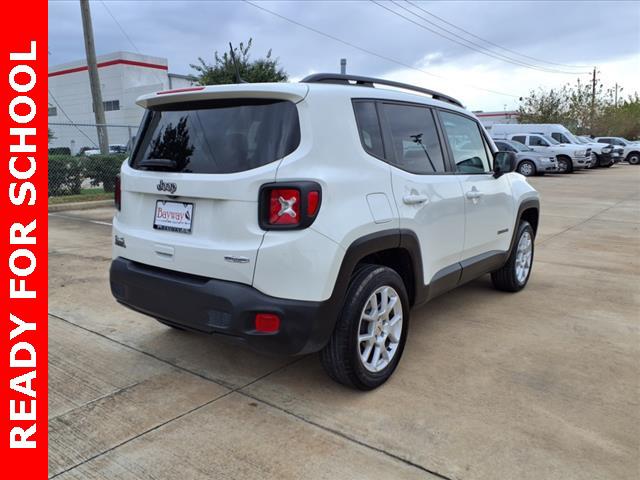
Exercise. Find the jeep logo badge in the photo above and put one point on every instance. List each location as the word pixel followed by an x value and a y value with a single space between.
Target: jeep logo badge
pixel 167 187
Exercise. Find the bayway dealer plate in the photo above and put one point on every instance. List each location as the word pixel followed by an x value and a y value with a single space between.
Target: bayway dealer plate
pixel 173 216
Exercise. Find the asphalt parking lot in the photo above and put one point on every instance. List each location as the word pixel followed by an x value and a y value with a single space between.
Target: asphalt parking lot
pixel 543 384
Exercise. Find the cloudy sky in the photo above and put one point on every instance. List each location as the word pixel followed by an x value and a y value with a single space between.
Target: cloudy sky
pixel 524 45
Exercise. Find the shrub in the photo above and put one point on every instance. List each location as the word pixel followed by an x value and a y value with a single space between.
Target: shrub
pixel 66 174
pixel 102 169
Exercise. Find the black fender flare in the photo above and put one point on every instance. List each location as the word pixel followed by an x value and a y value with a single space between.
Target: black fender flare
pixel 528 204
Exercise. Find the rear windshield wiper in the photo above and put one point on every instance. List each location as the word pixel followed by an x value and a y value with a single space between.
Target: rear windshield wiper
pixel 158 162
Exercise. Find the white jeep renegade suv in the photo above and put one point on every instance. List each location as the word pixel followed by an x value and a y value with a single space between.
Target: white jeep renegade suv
pixel 309 217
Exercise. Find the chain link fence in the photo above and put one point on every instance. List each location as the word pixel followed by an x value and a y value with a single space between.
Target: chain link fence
pixel 77 169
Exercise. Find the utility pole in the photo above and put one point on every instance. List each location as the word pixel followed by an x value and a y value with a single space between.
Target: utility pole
pixel 616 101
pixel 343 66
pixel 593 100
pixel 94 79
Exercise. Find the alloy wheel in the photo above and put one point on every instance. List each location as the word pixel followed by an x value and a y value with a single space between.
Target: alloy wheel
pixel 524 255
pixel 380 329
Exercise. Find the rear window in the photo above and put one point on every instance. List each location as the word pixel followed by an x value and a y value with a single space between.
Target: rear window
pixel 220 136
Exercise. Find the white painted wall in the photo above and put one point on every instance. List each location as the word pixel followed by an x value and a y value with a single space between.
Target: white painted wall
pixel 488 119
pixel 70 91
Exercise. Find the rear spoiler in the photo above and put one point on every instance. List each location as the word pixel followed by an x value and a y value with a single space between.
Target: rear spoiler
pixel 294 92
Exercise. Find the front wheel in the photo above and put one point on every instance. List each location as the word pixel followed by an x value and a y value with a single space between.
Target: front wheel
pixel 527 168
pixel 634 158
pixel 514 275
pixel 370 334
pixel 564 165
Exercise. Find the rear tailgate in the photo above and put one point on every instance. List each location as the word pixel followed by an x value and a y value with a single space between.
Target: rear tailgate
pixel 190 191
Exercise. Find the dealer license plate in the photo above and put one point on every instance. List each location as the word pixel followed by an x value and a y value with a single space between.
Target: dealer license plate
pixel 173 216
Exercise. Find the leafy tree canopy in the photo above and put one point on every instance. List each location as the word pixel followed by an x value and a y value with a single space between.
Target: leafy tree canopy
pixel 580 111
pixel 222 71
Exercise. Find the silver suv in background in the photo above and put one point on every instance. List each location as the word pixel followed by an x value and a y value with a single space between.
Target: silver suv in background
pixel 528 161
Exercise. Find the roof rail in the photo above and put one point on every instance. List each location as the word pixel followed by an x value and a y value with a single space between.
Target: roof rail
pixel 356 80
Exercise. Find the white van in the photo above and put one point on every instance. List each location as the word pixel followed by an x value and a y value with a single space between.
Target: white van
pixel 561 134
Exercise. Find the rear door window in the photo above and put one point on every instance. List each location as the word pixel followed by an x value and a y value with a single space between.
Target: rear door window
pixel 520 138
pixel 415 143
pixel 219 136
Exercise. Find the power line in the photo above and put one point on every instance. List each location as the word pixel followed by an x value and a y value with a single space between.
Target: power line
pixel 492 43
pixel 119 26
pixel 69 118
pixel 460 41
pixel 370 52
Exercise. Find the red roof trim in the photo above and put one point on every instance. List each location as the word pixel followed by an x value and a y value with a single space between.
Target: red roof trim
pixel 119 61
pixel 179 90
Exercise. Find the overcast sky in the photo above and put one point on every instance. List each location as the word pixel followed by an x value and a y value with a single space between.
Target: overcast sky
pixel 569 36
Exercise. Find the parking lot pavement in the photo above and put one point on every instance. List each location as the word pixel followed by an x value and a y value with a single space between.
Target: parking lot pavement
pixel 540 384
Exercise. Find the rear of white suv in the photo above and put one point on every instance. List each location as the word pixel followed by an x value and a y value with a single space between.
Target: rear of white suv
pixel 303 217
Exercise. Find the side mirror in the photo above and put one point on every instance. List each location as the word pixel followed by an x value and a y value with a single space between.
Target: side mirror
pixel 503 162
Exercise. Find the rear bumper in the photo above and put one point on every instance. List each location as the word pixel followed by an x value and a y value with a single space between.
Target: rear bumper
pixel 221 307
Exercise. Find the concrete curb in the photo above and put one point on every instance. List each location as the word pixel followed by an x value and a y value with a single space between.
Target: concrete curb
pixel 61 207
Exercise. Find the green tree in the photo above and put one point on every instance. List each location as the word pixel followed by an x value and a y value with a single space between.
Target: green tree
pixel 544 106
pixel 222 71
pixel 621 120
pixel 579 110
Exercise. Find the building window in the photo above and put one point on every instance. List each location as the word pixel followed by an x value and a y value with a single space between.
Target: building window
pixel 110 105
pixel 53 111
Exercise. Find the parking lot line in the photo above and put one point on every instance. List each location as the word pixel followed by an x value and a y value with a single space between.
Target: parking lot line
pixel 80 219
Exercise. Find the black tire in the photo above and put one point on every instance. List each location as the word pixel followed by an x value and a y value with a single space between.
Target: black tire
pixel 564 165
pixel 170 325
pixel 527 168
pixel 505 278
pixel 341 356
pixel 633 158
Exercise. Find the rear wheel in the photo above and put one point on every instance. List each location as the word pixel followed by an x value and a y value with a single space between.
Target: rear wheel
pixel 527 168
pixel 371 331
pixel 514 275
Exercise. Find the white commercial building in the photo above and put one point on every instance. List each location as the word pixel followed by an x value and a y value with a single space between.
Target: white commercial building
pixel 488 119
pixel 124 76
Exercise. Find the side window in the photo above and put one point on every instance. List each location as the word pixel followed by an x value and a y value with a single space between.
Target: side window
pixel 467 143
pixel 369 128
pixel 520 138
pixel 536 141
pixel 604 140
pixel 414 138
pixel 560 137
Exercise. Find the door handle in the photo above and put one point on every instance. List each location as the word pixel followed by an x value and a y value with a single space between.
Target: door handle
pixel 473 194
pixel 415 199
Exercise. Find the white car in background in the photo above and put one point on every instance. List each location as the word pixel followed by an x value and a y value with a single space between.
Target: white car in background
pixel 630 150
pixel 600 153
pixel 608 154
pixel 113 149
pixel 569 157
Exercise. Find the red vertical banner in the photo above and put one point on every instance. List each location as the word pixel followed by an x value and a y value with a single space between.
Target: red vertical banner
pixel 23 223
